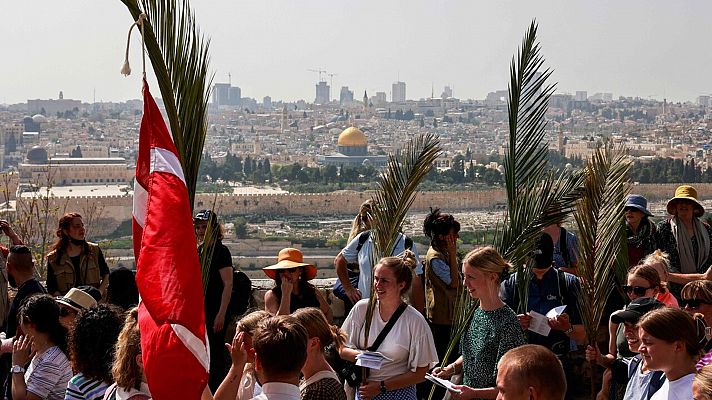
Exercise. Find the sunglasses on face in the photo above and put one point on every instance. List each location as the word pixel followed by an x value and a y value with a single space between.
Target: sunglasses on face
pixel 630 209
pixel 637 290
pixel 692 303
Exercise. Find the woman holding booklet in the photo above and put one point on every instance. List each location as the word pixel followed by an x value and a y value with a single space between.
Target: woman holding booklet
pixel 494 328
pixel 405 343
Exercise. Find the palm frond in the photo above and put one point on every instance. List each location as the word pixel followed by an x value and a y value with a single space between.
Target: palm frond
pixel 179 56
pixel 600 221
pixel 398 186
pixel 536 197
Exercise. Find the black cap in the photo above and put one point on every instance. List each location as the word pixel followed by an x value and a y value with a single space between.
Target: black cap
pixel 206 215
pixel 544 251
pixel 635 310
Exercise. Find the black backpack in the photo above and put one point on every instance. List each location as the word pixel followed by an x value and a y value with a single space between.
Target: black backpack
pixel 241 292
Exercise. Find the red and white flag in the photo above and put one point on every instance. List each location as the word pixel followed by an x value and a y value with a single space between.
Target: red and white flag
pixel 171 316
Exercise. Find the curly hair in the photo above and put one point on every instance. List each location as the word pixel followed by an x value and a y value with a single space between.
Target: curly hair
pixel 437 225
pixel 92 341
pixel 125 370
pixel 43 311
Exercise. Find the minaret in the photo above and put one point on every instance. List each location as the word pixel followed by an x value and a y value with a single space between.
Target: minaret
pixel 365 102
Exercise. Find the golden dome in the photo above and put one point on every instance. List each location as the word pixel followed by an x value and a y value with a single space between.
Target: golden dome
pixel 352 136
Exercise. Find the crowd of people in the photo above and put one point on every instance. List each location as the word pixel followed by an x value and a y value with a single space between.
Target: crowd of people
pixel 77 335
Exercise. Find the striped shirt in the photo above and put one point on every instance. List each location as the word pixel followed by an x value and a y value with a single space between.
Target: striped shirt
pixel 48 374
pixel 82 388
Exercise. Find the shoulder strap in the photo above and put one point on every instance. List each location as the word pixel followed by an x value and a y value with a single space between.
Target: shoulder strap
pixel 391 321
pixel 362 238
pixel 564 247
pixel 563 289
pixel 408 243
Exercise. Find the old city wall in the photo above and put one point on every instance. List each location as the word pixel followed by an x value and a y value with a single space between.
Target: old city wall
pixel 111 211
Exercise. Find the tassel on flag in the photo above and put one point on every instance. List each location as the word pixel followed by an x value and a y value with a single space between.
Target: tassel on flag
pixel 171 316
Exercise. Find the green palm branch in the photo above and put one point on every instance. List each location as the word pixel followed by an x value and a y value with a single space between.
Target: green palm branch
pixel 179 56
pixel 397 189
pixel 600 221
pixel 536 197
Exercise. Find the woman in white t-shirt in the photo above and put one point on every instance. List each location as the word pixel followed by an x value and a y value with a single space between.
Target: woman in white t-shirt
pixel 669 342
pixel 408 349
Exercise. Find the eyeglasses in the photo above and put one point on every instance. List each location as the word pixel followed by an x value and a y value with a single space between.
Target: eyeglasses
pixel 637 290
pixel 692 303
pixel 630 209
pixel 66 311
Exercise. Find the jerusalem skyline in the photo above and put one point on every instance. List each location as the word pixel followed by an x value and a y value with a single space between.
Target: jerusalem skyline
pixel 649 49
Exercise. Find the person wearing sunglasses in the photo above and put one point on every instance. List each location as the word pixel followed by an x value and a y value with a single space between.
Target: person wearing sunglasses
pixel 76 300
pixel 292 289
pixel 697 301
pixel 642 282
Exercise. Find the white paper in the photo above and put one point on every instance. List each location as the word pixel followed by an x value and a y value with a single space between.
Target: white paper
pixel 539 323
pixel 443 383
pixel 371 359
pixel 556 311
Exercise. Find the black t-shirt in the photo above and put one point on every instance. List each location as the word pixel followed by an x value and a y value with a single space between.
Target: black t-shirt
pixel 33 286
pixel 213 295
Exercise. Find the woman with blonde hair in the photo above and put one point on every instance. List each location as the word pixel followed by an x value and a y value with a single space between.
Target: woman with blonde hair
pixel 696 300
pixel 494 328
pixel 669 342
pixel 320 381
pixel 129 377
pixel 408 348
pixel 702 384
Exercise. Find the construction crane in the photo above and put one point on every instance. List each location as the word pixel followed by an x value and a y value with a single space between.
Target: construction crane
pixel 321 73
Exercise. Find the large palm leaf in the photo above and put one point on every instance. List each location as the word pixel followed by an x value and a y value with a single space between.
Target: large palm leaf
pixel 179 56
pixel 600 221
pixel 536 197
pixel 397 189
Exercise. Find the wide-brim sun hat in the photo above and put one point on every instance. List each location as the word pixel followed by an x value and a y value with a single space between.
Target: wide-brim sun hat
pixel 290 258
pixel 77 299
pixel 638 202
pixel 685 193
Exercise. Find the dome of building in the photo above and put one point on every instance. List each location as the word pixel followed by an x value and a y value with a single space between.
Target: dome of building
pixel 352 136
pixel 39 119
pixel 37 155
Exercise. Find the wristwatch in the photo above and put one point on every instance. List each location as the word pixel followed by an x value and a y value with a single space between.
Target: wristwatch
pixel 383 387
pixel 17 369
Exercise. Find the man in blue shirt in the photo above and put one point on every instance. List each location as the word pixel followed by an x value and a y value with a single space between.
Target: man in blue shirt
pixel 549 287
pixel 353 253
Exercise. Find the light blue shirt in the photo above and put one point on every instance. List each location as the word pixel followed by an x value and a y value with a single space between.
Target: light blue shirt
pixel 363 258
pixel 441 270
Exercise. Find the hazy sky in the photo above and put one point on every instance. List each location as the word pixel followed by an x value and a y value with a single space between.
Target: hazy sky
pixel 647 48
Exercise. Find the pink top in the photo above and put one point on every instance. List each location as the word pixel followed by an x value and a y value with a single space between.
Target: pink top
pixel 705 360
pixel 668 299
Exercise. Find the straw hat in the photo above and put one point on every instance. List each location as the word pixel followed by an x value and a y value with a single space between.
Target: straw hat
pixel 290 258
pixel 77 299
pixel 687 193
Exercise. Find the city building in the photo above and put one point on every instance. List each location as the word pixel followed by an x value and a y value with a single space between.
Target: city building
pixel 52 107
pixel 352 147
pixel 40 170
pixel 346 96
pixel 322 93
pixel 398 92
pixel 581 95
pixel 267 102
pixel 224 94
